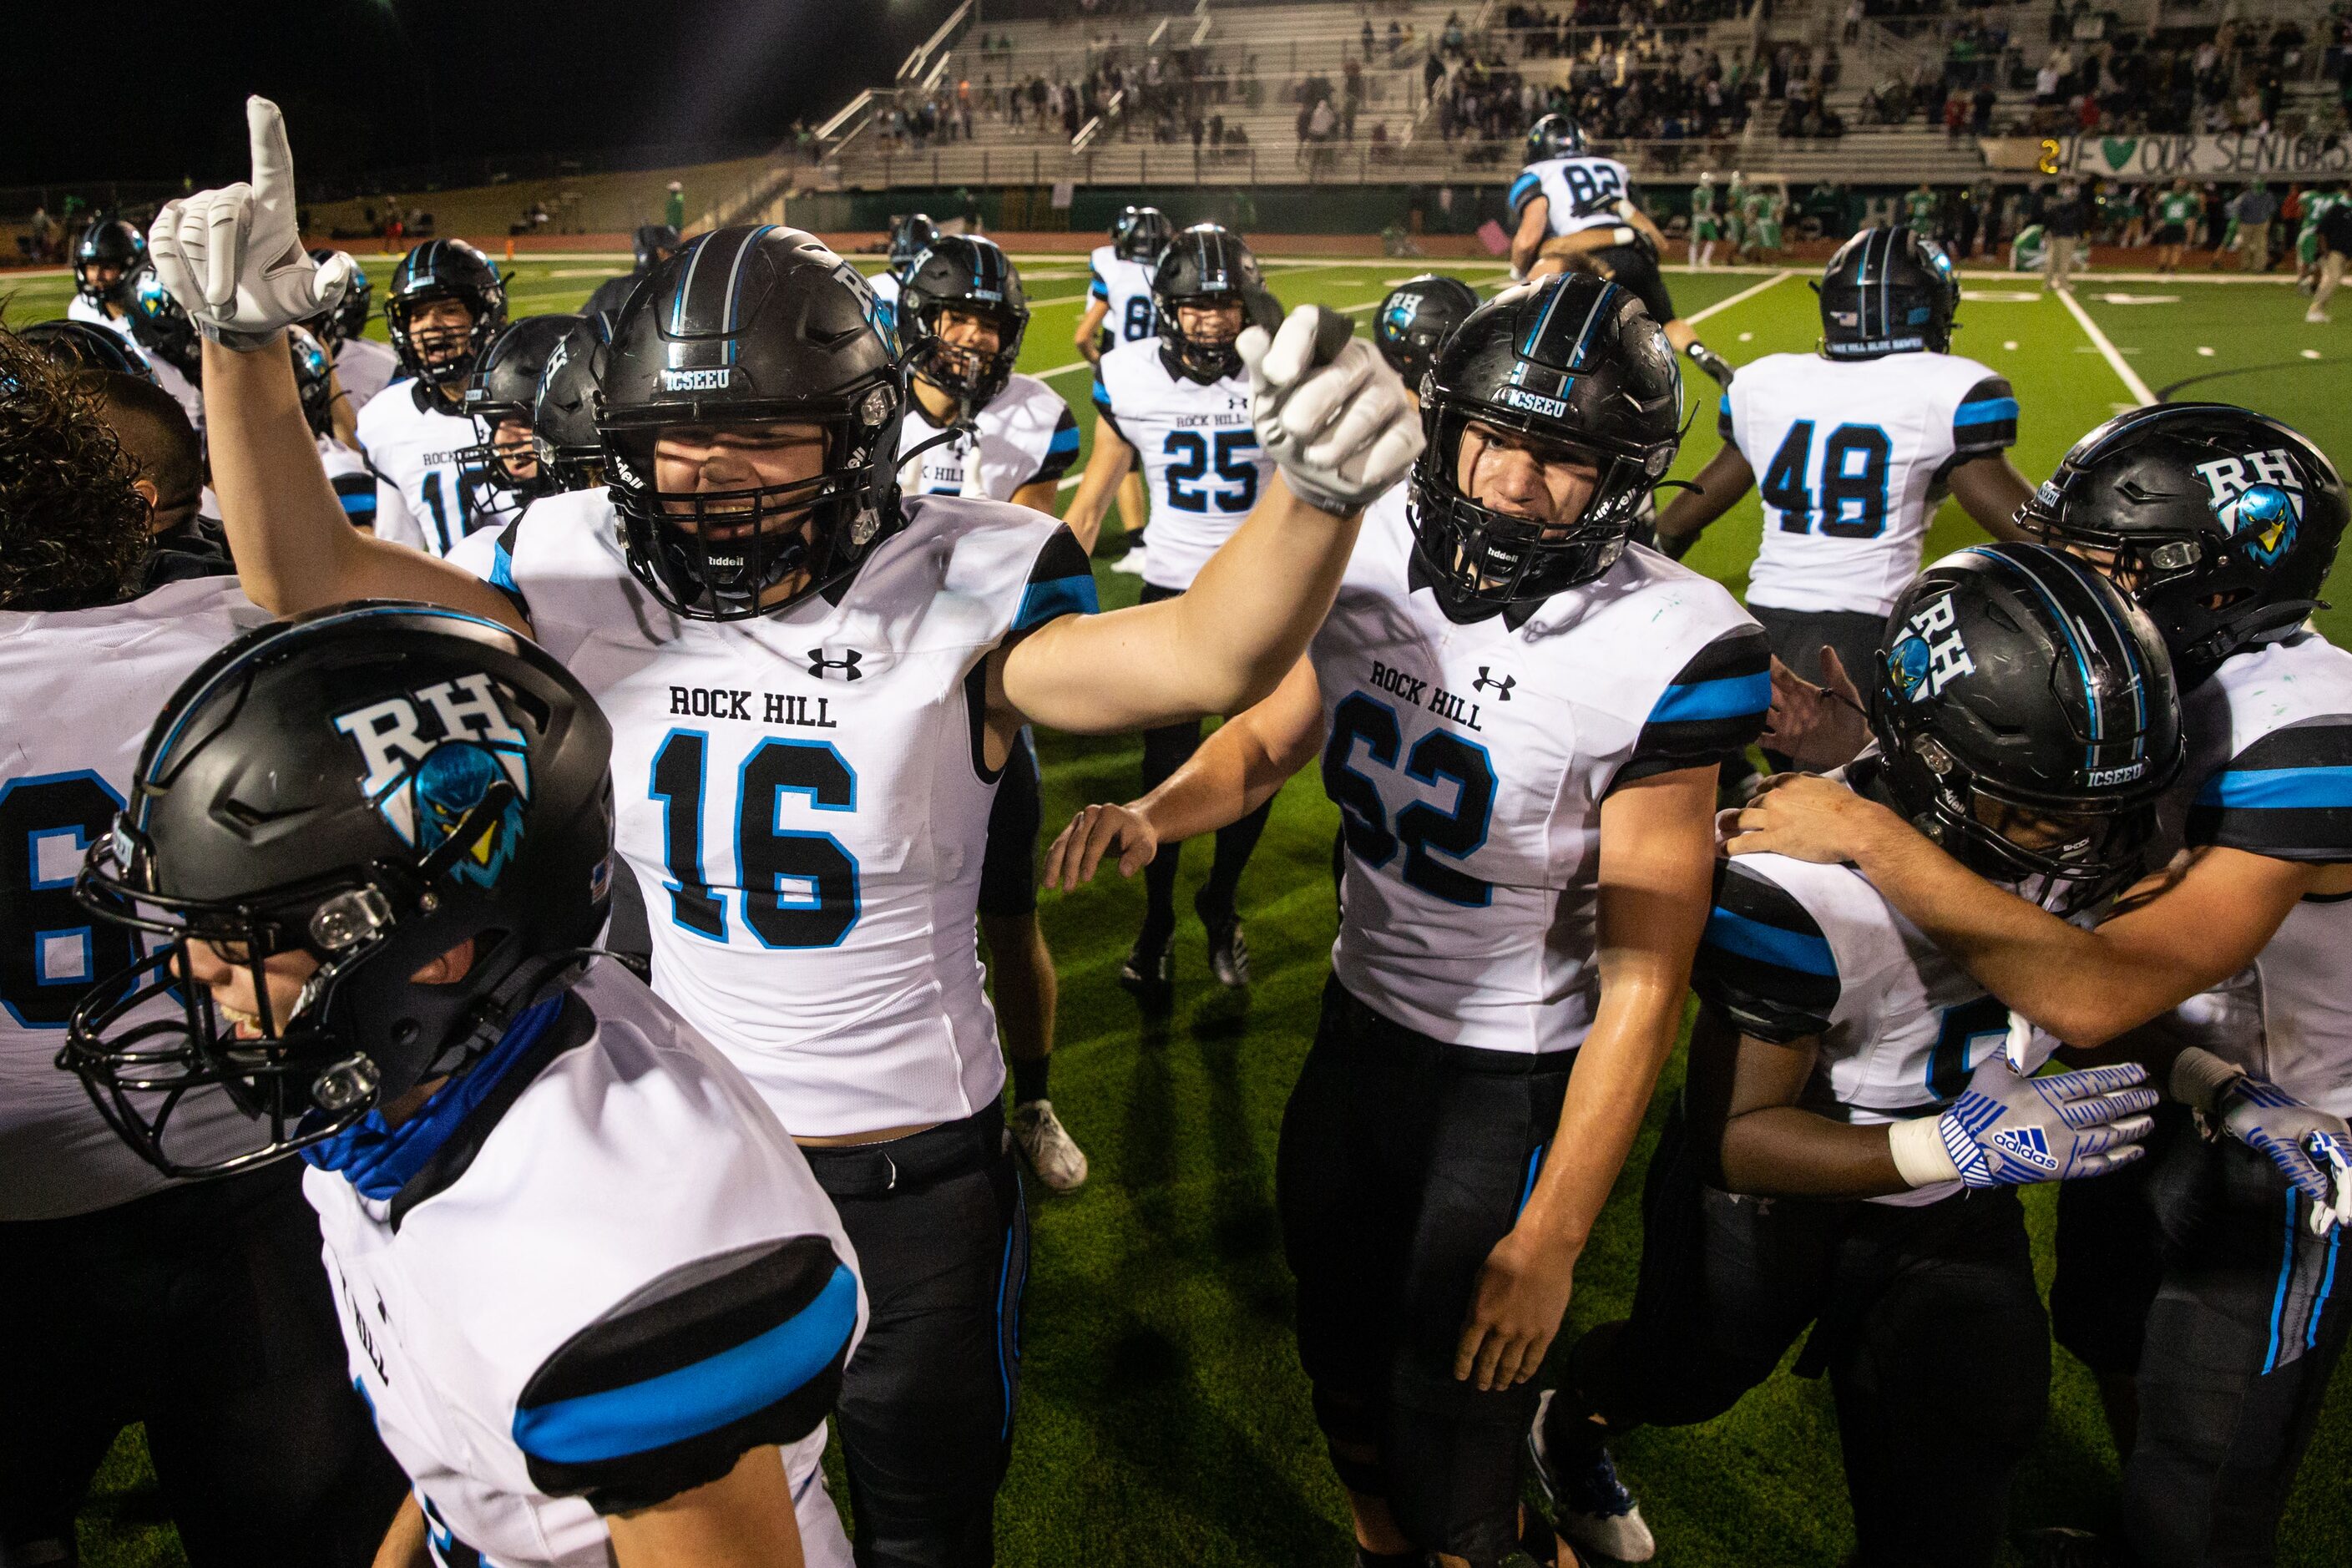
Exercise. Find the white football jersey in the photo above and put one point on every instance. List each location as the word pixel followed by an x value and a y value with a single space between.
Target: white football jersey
pixel 1852 458
pixel 422 500
pixel 1469 764
pixel 78 689
pixel 885 285
pixel 584 1278
pixel 1124 286
pixel 2270 773
pixel 364 367
pixel 804 799
pixel 1581 193
pixel 1026 434
pixel 1201 460
pixel 1793 949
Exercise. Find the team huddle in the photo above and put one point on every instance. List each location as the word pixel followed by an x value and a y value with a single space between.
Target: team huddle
pixel 551 790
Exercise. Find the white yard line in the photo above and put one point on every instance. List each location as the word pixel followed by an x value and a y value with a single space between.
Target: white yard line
pixel 1696 317
pixel 2100 340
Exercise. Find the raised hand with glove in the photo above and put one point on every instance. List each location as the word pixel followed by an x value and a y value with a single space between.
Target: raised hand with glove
pixel 1328 410
pixel 2311 1147
pixel 2007 1132
pixel 233 259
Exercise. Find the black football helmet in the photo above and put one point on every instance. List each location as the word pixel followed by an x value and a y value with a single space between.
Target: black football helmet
pixel 1555 136
pixel 349 319
pixel 85 345
pixel 162 327
pixel 505 385
pixel 910 238
pixel 651 243
pixel 107 242
pixel 314 379
pixel 1416 318
pixel 1887 291
pixel 964 272
pixel 2222 523
pixel 563 411
pixel 369 785
pixel 444 269
pixel 1140 234
pixel 1575 363
pixel 2013 679
pixel 747 326
pixel 1204 265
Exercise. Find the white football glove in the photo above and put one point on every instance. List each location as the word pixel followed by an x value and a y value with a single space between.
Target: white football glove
pixel 233 258
pixel 1328 410
pixel 2005 1131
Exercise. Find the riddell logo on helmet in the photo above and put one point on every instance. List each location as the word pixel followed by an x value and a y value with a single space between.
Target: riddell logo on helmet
pixel 1535 403
pixel 697 380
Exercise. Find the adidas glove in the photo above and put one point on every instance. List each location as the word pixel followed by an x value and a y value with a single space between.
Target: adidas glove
pixel 233 258
pixel 1328 410
pixel 2311 1148
pixel 2005 1131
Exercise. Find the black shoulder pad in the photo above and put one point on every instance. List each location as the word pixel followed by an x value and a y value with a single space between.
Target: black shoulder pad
pixel 2288 795
pixel 1711 712
pixel 1763 959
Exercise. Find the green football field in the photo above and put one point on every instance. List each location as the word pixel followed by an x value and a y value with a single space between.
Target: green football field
pixel 1163 1418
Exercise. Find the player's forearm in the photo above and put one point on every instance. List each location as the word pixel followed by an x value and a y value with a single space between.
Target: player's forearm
pixel 1248 618
pixel 1105 467
pixel 1719 486
pixel 1782 1152
pixel 1241 766
pixel 285 526
pixel 1990 490
pixel 1608 1095
pixel 1089 324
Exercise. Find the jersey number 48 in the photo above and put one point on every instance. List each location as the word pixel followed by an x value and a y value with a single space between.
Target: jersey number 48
pixel 1848 498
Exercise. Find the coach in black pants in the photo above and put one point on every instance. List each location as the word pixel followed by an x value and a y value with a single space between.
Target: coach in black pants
pixel 203 1311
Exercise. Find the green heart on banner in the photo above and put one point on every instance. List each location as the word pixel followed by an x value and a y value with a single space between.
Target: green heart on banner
pixel 2119 150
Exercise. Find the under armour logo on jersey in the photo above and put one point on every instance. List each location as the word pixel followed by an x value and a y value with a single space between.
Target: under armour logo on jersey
pixel 1502 688
pixel 848 663
pixel 2259 498
pixel 432 756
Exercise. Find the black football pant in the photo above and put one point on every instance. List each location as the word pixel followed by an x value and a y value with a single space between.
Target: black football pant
pixel 2247 1323
pixel 1164 750
pixel 1402 1162
pixel 202 1311
pixel 924 1417
pixel 1926 1320
pixel 1798 637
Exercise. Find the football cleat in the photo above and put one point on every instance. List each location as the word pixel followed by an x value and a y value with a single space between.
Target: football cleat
pixel 1590 1506
pixel 1228 952
pixel 1052 1152
pixel 1150 977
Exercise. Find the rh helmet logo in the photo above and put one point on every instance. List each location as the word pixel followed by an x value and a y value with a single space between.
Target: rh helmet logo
pixel 432 755
pixel 1929 655
pixel 2259 498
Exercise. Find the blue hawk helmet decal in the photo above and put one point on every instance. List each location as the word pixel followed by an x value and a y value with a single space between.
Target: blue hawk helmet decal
pixel 2259 499
pixel 432 755
pixel 1397 319
pixel 1907 663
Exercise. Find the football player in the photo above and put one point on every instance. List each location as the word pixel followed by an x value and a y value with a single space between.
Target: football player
pixel 2221 524
pixel 166 335
pixel 1857 444
pixel 910 238
pixel 1119 310
pixel 502 398
pixel 444 305
pixel 816 683
pixel 263 1455
pixel 974 427
pixel 653 243
pixel 321 393
pixel 106 263
pixel 1570 207
pixel 1177 405
pixel 79 345
pixel 590 1291
pixel 1520 717
pixel 1706 221
pixel 363 367
pixel 1847 1140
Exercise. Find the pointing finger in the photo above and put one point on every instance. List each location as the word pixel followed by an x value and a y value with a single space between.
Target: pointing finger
pixel 273 161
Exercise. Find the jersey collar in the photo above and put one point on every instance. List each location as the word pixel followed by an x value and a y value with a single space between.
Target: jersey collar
pixel 1418 577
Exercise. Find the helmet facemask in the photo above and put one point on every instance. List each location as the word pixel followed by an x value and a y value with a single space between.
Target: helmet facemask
pixel 973 377
pixel 1204 357
pixel 458 348
pixel 491 460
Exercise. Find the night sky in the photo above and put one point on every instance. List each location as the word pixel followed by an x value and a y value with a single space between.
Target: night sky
pixel 153 90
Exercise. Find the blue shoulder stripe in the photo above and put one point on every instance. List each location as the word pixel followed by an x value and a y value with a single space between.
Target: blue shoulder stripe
pixel 1726 697
pixel 1736 933
pixel 1066 440
pixel 358 503
pixel 1527 181
pixel 638 1417
pixel 2277 789
pixel 1056 597
pixel 1102 394
pixel 1989 411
